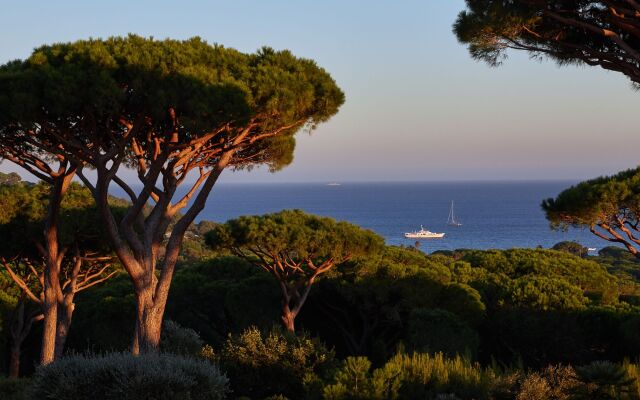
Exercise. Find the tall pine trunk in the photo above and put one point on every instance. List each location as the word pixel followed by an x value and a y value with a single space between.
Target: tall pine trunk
pixel 50 311
pixel 65 316
pixel 53 258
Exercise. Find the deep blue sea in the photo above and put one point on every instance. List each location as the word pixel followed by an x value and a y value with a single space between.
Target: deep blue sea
pixel 494 215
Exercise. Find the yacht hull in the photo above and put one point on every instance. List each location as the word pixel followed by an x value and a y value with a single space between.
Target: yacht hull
pixel 432 236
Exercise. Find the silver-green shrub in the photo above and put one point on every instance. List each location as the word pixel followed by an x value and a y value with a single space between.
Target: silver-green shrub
pixel 121 376
pixel 176 339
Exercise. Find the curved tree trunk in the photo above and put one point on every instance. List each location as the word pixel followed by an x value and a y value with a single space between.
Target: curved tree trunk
pixel 65 315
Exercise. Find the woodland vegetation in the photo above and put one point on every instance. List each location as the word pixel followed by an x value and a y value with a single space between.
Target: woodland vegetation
pixel 383 322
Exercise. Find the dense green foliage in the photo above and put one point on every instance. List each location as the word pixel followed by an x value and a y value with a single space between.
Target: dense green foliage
pixel 295 248
pixel 83 89
pixel 461 312
pixel 276 363
pixel 179 340
pixel 571 247
pixel 586 32
pixel 24 208
pixel 122 376
pixel 608 206
pixel 299 235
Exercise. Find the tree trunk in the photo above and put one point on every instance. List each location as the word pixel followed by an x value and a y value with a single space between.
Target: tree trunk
pixel 288 318
pixel 53 257
pixel 148 323
pixel 50 311
pixel 14 361
pixel 65 315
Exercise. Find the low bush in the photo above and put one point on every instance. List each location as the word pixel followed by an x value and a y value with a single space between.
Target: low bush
pixel 603 380
pixel 633 372
pixel 278 363
pixel 123 376
pixel 417 376
pixel 177 339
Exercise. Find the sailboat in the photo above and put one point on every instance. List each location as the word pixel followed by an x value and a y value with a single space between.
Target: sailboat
pixel 451 219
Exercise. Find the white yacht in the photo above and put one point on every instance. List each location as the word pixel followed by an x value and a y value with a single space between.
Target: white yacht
pixel 423 234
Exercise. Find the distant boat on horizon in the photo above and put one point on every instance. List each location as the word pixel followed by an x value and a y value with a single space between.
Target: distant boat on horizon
pixel 423 234
pixel 333 184
pixel 451 219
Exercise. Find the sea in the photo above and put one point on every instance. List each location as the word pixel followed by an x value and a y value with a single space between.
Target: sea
pixel 494 215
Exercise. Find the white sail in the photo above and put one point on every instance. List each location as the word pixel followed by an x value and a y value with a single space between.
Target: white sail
pixel 451 219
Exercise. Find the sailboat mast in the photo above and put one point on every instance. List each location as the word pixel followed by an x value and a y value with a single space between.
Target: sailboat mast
pixel 451 220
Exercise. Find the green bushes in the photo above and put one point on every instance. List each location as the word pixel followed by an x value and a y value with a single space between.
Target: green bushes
pixel 122 376
pixel 424 376
pixel 277 363
pixel 179 340
pixel 603 380
pixel 416 376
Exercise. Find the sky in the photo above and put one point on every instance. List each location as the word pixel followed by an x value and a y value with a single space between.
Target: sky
pixel 418 108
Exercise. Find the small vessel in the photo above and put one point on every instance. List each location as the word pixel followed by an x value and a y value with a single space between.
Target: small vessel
pixel 333 184
pixel 591 249
pixel 451 219
pixel 423 234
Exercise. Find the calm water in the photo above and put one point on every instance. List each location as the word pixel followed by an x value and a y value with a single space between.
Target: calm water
pixel 494 215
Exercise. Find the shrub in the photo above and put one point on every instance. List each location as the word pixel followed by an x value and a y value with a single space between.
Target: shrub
pixel 425 375
pixel 534 387
pixel 122 376
pixel 13 389
pixel 419 376
pixel 177 339
pixel 562 381
pixel 353 381
pixel 633 372
pixel 603 380
pixel 278 363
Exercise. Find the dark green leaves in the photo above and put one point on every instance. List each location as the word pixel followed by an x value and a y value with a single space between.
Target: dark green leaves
pixel 85 89
pixel 298 234
pixel 597 33
pixel 598 200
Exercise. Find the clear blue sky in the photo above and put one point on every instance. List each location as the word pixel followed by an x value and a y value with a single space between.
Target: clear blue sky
pixel 418 108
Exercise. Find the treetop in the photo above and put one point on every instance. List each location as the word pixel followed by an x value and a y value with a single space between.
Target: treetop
pixel 597 200
pixel 90 92
pixel 297 234
pixel 597 33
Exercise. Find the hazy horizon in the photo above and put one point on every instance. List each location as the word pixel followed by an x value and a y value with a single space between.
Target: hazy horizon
pixel 418 107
